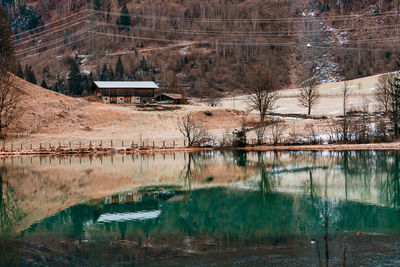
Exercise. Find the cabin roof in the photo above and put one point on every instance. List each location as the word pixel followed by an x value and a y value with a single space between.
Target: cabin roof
pixel 126 85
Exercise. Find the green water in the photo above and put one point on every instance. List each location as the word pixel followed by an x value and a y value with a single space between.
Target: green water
pixel 290 208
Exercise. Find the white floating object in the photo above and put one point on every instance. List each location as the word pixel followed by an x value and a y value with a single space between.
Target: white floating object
pixel 129 216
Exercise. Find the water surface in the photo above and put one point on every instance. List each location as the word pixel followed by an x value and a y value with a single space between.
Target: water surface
pixel 291 208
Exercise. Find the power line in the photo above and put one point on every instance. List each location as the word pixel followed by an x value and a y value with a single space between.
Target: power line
pixel 50 43
pixel 50 23
pixel 52 32
pixel 271 34
pixel 253 20
pixel 215 42
pixel 293 44
pixel 51 49
pixel 48 30
pixel 348 41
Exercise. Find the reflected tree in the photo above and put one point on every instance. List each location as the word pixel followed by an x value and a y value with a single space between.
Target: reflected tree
pixel 393 183
pixel 240 158
pixel 122 229
pixel 345 169
pixel 191 170
pixel 312 187
pixel 267 181
pixel 8 207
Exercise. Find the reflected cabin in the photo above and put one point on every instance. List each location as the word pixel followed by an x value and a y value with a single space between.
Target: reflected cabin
pixel 125 92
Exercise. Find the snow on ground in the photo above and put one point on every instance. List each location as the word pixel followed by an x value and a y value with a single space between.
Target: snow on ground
pixel 361 92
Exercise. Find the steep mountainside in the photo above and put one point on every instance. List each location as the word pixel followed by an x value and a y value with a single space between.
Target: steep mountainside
pixel 206 46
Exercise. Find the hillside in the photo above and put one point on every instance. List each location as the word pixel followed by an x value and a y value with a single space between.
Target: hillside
pixel 208 46
pixel 50 117
pixel 41 107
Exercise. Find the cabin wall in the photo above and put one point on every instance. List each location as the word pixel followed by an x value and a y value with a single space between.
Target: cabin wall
pixel 119 92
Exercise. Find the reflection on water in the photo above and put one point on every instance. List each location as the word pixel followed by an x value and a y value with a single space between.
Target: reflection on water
pixel 315 208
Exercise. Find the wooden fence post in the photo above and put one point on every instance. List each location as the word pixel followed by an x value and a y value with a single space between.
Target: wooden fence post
pixel 111 143
pixel 164 143
pixel 69 144
pixel 122 143
pixel 174 143
pixel 153 145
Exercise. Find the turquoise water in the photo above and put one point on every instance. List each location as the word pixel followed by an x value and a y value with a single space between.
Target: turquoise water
pixel 291 208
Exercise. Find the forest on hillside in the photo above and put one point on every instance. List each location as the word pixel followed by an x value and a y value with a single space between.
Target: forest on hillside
pixel 205 46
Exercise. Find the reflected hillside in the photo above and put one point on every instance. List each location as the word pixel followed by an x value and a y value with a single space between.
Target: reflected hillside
pixel 216 213
pixel 34 188
pixel 44 186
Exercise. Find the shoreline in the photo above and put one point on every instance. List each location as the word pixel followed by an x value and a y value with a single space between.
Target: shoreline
pixel 331 147
pixel 150 150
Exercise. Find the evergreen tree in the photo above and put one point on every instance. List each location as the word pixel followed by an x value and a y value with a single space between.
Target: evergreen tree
pixel 106 74
pixel 19 72
pixel 46 73
pixel 108 18
pixel 96 4
pixel 44 84
pixel 90 82
pixel 29 74
pixel 74 78
pixel 103 73
pixel 119 70
pixel 125 19
pixel 60 85
pixel 143 65
pixel 112 76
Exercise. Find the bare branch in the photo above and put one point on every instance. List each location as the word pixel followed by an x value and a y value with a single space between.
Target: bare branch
pixel 309 95
pixel 262 91
pixel 192 129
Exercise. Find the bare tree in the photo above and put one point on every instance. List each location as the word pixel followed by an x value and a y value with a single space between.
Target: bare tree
pixel 213 101
pixel 262 91
pixel 9 99
pixel 9 94
pixel 309 95
pixel 382 93
pixel 192 129
pixel 388 97
pixel 277 130
pixel 345 97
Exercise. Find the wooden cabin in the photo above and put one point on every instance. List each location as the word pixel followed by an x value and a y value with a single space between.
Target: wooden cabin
pixel 125 92
pixel 171 99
